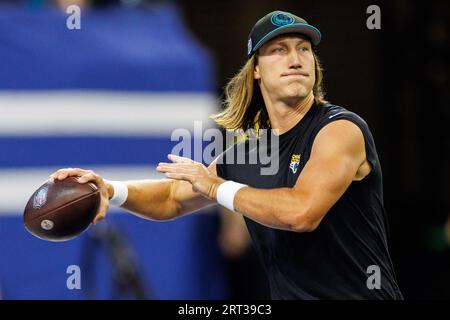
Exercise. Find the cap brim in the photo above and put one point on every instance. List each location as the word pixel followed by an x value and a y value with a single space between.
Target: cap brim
pixel 302 28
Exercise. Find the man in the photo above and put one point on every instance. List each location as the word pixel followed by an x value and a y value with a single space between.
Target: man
pixel 318 222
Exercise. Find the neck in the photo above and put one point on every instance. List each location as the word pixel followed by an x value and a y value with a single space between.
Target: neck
pixel 284 117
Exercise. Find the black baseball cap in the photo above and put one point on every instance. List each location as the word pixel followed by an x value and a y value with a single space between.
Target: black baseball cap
pixel 279 22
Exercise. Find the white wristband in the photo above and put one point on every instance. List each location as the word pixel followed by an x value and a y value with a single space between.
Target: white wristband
pixel 120 193
pixel 226 193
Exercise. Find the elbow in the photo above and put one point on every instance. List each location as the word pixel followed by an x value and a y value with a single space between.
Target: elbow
pixel 170 211
pixel 304 226
pixel 304 222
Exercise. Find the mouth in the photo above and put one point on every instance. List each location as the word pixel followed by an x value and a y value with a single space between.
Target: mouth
pixel 295 74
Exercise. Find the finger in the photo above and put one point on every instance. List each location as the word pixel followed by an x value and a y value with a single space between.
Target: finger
pixel 192 165
pixel 101 212
pixel 179 176
pixel 88 177
pixel 178 159
pixel 176 169
pixel 164 167
pixel 68 172
pixel 161 169
pixel 63 174
pixel 98 217
pixel 168 165
pixel 57 172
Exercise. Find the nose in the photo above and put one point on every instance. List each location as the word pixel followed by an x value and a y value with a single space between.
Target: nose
pixel 294 60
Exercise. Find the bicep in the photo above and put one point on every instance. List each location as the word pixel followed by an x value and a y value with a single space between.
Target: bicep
pixel 337 153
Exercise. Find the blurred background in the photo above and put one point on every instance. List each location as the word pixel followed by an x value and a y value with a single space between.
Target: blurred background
pixel 108 96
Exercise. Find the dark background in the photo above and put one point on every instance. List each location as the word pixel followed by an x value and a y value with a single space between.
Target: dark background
pixel 396 78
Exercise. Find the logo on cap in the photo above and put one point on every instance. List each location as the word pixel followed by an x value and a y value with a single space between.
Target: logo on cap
pixel 249 46
pixel 281 19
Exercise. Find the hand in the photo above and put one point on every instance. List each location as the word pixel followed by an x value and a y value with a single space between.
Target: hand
pixel 106 190
pixel 203 181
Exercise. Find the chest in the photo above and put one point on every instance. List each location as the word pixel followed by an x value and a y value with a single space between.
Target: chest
pixel 272 167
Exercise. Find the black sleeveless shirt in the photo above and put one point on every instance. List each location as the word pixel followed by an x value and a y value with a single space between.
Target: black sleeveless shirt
pixel 333 261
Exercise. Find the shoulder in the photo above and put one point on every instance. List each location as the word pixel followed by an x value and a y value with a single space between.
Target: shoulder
pixel 358 130
pixel 339 137
pixel 329 112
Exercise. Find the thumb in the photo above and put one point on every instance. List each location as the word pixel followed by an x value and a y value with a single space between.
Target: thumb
pixel 101 212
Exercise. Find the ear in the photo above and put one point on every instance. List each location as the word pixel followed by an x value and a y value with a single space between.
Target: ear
pixel 256 74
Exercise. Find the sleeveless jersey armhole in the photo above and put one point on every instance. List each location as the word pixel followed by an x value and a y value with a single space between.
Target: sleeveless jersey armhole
pixel 369 143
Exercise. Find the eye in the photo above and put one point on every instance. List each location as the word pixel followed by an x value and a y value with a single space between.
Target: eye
pixel 278 49
pixel 304 49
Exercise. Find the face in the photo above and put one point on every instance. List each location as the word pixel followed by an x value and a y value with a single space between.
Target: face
pixel 285 68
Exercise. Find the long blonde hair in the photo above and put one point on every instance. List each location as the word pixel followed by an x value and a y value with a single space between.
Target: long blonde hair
pixel 244 105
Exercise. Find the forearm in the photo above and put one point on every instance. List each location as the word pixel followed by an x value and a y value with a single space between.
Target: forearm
pixel 164 199
pixel 150 199
pixel 280 208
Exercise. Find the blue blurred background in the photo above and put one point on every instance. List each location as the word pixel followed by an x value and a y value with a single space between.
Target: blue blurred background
pixel 108 96
pixel 105 97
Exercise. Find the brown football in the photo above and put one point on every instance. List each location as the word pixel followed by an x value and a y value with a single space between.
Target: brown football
pixel 62 209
